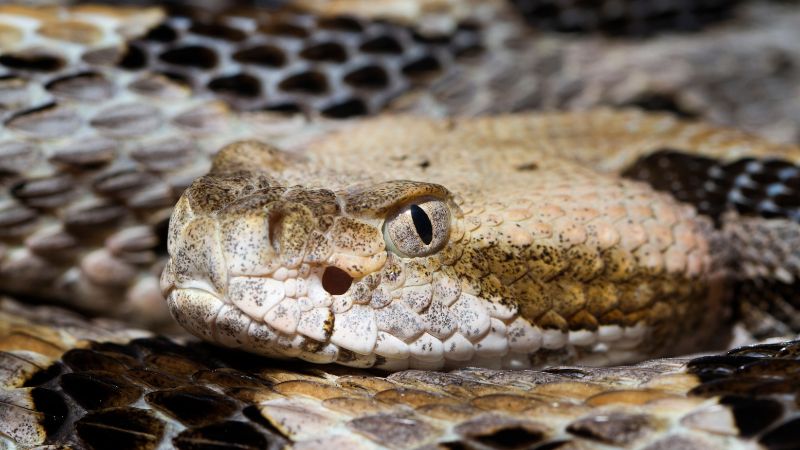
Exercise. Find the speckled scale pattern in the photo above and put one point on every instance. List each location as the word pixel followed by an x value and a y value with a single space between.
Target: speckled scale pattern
pixel 552 262
pixel 633 18
pixel 336 66
pixel 144 392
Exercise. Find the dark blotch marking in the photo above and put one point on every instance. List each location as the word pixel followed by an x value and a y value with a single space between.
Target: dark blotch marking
pixel 423 66
pixel 53 408
pixel 656 101
pixel 44 376
pixel 288 108
pixel 261 55
pixel 192 405
pixel 84 359
pixel 253 414
pixel 325 52
pixel 786 436
pixel 382 45
pixel 570 372
pixel 348 108
pixel 341 23
pixel 115 350
pixel 96 390
pixel 162 33
pixel 120 429
pixel 241 85
pixel 134 58
pixel 369 77
pixel 179 366
pixel 454 445
pixel 768 188
pixel 717 366
pixel 510 438
pixel 758 350
pixel 227 378
pixel 566 444
pixel 753 415
pixel 34 63
pixel 156 345
pixel 285 29
pixel 228 434
pixel 154 379
pixel 336 281
pixel 422 223
pixel 191 56
pixel 527 167
pixel 313 83
pixel 634 18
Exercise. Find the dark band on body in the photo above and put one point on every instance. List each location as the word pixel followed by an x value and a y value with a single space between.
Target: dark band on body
pixel 768 188
pixel 754 188
pixel 759 385
pixel 635 18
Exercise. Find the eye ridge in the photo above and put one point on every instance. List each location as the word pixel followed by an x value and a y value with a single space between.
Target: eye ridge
pixel 422 223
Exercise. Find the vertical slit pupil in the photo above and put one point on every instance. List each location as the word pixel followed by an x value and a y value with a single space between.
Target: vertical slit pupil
pixel 422 223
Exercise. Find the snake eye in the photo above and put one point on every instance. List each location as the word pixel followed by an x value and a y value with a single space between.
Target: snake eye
pixel 418 229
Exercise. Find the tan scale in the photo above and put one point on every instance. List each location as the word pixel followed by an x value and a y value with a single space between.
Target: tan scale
pixel 534 252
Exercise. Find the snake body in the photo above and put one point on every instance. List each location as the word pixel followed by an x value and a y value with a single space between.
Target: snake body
pixel 395 243
pixel 526 249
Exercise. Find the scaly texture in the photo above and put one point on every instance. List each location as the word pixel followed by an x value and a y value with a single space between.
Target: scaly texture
pixel 519 255
pixel 336 66
pixel 78 384
pixel 95 149
pixel 68 382
pixel 89 144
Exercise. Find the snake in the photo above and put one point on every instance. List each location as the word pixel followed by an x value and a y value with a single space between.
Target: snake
pixel 510 271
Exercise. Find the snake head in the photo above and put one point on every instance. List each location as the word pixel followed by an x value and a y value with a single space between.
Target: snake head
pixel 350 276
pixel 305 257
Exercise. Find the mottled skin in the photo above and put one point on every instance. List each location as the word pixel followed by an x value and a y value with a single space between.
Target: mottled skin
pixel 171 395
pixel 94 156
pixel 644 406
pixel 534 257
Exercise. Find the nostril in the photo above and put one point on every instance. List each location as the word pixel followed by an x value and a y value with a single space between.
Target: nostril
pixel 336 281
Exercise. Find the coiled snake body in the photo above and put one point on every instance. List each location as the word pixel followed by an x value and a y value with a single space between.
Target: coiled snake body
pixel 474 245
